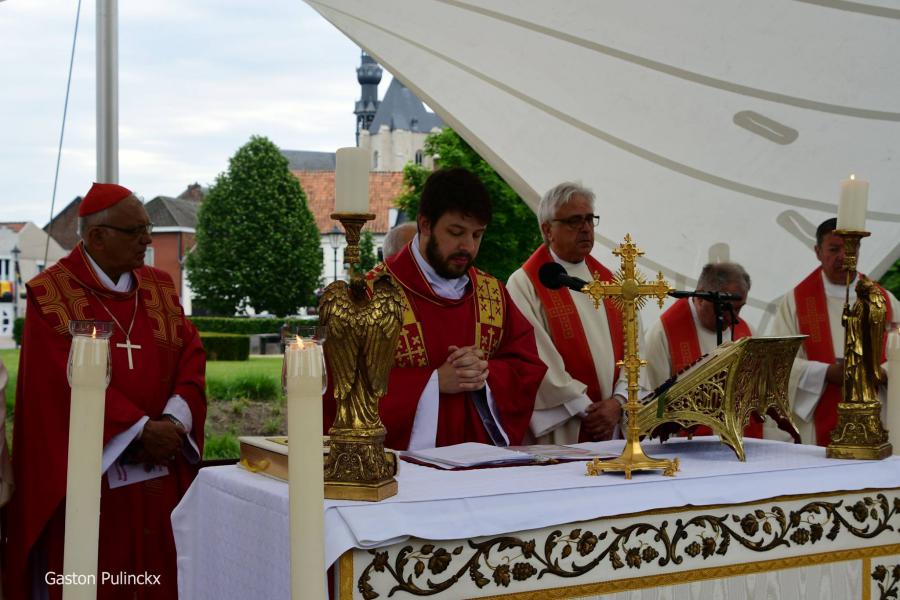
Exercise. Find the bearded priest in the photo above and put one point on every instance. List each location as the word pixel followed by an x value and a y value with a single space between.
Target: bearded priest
pixel 155 407
pixel 466 368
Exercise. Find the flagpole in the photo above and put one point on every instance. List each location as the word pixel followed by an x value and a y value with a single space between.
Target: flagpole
pixel 107 91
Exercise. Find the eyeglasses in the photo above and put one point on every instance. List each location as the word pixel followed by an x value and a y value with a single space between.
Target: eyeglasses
pixel 135 231
pixel 578 221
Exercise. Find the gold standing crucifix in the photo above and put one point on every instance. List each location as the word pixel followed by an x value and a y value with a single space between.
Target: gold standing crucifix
pixel 629 292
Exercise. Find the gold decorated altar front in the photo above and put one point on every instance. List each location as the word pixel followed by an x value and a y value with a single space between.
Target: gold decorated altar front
pixel 787 523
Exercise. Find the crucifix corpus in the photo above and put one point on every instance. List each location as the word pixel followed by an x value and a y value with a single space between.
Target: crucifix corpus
pixel 629 292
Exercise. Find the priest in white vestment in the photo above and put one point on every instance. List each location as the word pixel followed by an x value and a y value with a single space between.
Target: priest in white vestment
pixel 686 331
pixel 815 383
pixel 581 396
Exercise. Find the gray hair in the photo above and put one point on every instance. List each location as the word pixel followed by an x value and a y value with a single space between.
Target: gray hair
pixel 92 220
pixel 715 276
pixel 558 196
pixel 397 237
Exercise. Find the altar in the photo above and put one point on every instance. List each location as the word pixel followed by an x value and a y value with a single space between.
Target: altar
pixel 787 523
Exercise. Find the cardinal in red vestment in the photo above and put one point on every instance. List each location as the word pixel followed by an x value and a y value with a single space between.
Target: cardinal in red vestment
pixel 155 408
pixel 466 366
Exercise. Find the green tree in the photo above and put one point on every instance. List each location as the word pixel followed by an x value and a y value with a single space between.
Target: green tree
pixel 257 241
pixel 367 258
pixel 891 281
pixel 513 233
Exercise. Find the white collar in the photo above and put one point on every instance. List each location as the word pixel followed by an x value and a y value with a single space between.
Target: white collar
pixel 452 289
pixel 838 290
pixel 124 283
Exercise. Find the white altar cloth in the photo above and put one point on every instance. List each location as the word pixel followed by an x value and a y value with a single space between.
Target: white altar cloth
pixel 233 523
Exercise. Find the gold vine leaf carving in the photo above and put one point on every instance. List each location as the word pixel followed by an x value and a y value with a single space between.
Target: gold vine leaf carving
pixel 432 569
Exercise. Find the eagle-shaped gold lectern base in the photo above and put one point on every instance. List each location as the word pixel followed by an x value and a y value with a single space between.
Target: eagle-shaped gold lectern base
pixel 360 469
pixel 633 459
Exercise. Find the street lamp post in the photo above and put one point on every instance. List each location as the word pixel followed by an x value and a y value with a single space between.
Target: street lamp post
pixel 334 239
pixel 15 280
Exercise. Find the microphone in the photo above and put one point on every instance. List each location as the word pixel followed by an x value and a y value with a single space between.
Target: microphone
pixel 553 276
pixel 714 296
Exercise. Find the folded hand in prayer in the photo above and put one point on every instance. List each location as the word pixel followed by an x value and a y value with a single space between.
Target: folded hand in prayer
pixel 464 370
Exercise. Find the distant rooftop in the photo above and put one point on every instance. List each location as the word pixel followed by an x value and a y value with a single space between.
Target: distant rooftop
pixel 305 160
pixel 401 109
pixel 172 212
pixel 16 227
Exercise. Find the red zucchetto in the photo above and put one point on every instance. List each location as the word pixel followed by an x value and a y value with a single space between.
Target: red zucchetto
pixel 100 197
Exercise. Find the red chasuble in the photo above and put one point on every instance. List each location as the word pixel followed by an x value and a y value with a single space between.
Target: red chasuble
pixel 566 329
pixel 485 316
pixel 684 350
pixel 812 320
pixel 135 530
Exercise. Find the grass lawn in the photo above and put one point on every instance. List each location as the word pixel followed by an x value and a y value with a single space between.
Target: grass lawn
pixel 10 359
pixel 232 369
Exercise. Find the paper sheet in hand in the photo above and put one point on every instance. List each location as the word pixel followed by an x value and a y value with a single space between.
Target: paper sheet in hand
pixel 468 454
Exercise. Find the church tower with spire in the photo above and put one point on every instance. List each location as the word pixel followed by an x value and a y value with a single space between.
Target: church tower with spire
pixel 369 76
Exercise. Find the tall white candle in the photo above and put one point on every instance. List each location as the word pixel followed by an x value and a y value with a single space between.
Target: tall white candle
pixel 306 486
pixel 88 379
pixel 893 391
pixel 853 205
pixel 351 180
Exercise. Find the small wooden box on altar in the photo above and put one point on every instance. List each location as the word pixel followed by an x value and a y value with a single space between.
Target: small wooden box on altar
pixel 268 454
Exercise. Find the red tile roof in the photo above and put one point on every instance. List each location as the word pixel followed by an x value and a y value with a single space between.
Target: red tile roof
pixel 16 227
pixel 384 187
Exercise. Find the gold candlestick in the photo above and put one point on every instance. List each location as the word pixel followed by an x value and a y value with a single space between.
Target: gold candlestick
pixel 353 224
pixel 629 291
pixel 859 433
pixel 363 320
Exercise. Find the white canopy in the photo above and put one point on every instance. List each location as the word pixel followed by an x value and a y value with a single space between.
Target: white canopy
pixel 708 129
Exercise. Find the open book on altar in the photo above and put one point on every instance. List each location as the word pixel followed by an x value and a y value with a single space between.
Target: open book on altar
pixel 474 454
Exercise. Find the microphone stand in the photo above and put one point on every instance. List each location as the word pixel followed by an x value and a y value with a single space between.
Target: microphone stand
pixel 720 301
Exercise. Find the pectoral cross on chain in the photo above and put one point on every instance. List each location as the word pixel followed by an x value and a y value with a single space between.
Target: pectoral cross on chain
pixel 129 346
pixel 629 291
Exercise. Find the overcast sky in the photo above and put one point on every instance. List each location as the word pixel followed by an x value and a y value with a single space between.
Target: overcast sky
pixel 197 78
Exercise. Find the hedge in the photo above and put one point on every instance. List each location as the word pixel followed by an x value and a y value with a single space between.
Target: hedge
pixel 226 346
pixel 247 325
pixel 18 330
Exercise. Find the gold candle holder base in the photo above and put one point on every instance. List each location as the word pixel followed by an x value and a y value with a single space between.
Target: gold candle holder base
pixel 859 434
pixel 359 468
pixel 633 459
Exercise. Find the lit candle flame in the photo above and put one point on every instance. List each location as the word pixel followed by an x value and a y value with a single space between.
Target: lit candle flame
pixel 298 342
pixel 94 333
pixel 852 176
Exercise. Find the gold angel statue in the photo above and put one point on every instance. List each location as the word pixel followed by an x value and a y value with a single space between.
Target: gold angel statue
pixel 359 349
pixel 864 323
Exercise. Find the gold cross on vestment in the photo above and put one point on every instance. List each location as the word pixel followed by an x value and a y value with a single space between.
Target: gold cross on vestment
pixel 629 292
pixel 129 346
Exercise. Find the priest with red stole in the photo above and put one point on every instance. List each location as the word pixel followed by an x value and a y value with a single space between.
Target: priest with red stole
pixel 687 330
pixel 581 397
pixel 155 409
pixel 814 308
pixel 466 368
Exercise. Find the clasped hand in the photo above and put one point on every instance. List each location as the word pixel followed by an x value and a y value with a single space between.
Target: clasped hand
pixel 160 441
pixel 465 370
